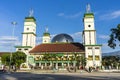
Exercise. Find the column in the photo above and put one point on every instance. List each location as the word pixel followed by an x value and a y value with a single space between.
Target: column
pixel 56 65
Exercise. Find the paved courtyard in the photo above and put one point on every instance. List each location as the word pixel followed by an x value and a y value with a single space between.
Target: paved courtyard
pixel 59 76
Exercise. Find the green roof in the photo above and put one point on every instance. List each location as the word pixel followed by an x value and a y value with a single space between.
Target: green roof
pixel 29 33
pixel 46 34
pixel 89 30
pixel 94 45
pixel 30 19
pixel 88 15
pixel 23 46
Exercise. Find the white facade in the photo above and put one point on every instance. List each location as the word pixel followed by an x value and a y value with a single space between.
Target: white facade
pixel 46 39
pixel 28 35
pixel 92 49
pixel 93 55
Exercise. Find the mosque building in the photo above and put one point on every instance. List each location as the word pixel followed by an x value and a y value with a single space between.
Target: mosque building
pixel 61 51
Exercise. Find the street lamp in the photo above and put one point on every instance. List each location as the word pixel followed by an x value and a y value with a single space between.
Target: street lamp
pixel 12 45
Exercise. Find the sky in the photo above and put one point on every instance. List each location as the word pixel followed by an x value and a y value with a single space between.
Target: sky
pixel 60 16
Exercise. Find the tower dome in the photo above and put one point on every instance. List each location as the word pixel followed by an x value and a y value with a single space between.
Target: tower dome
pixel 62 38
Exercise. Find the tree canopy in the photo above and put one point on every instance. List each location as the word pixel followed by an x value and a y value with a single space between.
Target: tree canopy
pixel 114 37
pixel 111 61
pixel 17 58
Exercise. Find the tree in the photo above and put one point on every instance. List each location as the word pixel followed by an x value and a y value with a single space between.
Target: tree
pixel 81 60
pixel 17 58
pixel 114 37
pixel 110 61
pixel 5 58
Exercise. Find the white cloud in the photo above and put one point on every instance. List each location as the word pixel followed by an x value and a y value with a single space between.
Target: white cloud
pixel 7 43
pixel 101 36
pixel 70 16
pixel 61 14
pixel 53 35
pixel 77 36
pixel 38 40
pixel 106 48
pixel 111 15
pixel 8 38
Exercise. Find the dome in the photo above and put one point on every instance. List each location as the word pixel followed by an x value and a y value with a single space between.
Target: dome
pixel 62 38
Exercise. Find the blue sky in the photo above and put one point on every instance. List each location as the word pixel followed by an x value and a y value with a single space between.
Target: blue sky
pixel 61 16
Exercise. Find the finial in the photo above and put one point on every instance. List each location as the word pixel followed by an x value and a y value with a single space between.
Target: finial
pixel 46 29
pixel 31 12
pixel 88 8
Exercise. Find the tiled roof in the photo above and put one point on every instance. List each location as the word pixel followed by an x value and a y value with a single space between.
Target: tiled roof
pixel 58 47
pixel 1 53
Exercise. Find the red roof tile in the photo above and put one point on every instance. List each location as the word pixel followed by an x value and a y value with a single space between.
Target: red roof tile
pixel 58 47
pixel 1 53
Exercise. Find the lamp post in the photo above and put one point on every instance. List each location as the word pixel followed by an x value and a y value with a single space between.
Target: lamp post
pixel 12 45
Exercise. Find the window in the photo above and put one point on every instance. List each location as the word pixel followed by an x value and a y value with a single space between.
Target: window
pixel 89 25
pixel 97 57
pixel 89 47
pixel 27 28
pixel 20 49
pixel 59 64
pixel 66 40
pixel 45 41
pixel 96 47
pixel 48 64
pixel 25 49
pixel 90 57
pixel 37 64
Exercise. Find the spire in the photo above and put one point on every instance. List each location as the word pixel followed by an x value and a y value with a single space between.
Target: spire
pixel 46 33
pixel 88 10
pixel 31 12
pixel 46 29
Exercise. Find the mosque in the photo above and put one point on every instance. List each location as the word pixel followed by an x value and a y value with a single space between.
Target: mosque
pixel 61 51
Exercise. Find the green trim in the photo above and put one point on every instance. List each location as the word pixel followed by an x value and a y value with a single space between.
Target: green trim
pixel 94 45
pixel 60 43
pixel 59 54
pixel 23 46
pixel 89 15
pixel 46 34
pixel 89 30
pixel 29 33
pixel 29 25
pixel 64 53
pixel 54 61
pixel 30 19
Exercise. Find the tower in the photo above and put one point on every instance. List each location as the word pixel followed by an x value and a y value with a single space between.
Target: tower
pixel 29 34
pixel 92 49
pixel 46 36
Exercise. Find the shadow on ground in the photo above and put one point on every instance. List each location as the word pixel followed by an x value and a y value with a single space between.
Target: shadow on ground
pixel 52 76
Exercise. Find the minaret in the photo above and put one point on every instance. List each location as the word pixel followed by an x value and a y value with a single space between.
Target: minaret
pixel 90 32
pixel 46 36
pixel 92 49
pixel 29 34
